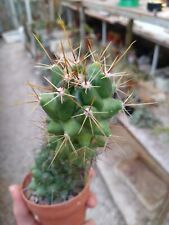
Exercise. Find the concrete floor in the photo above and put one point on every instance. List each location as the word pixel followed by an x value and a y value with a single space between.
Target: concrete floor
pixel 19 137
pixel 17 131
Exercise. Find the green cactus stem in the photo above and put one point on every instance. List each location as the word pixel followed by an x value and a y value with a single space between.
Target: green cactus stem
pixel 79 107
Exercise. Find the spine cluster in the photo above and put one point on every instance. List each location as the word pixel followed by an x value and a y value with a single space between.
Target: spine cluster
pixel 79 107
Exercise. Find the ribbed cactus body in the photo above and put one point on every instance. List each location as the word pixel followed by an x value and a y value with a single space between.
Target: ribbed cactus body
pixel 57 75
pixel 79 108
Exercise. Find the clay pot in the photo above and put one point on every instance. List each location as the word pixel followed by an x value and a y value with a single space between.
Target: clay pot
pixel 71 212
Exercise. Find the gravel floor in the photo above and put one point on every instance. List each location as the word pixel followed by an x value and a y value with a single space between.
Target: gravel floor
pixel 19 137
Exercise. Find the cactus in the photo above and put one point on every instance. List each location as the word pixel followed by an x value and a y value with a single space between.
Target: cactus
pixel 79 107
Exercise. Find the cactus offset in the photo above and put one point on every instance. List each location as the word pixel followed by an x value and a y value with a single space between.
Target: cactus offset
pixel 79 108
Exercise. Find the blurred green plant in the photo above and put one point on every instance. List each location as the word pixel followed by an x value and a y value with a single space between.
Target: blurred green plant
pixel 144 118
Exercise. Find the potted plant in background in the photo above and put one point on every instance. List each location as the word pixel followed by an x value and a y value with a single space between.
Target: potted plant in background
pixel 128 3
pixel 79 106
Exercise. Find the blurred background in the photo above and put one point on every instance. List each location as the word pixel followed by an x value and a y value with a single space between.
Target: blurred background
pixel 132 175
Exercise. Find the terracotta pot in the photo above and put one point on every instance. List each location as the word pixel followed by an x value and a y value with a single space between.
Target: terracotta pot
pixel 71 212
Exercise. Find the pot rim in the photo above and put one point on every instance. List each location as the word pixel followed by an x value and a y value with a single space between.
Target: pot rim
pixel 70 201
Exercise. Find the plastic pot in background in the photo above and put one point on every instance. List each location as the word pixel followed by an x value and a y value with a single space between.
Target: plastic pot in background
pixel 154 6
pixel 128 3
pixel 71 212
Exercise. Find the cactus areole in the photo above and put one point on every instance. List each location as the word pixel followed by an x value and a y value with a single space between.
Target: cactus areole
pixel 79 106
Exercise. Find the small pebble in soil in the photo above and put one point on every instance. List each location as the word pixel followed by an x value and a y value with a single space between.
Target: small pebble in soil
pixel 70 197
pixel 34 199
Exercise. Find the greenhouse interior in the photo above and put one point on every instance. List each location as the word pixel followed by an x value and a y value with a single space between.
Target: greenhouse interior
pixel 84 112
